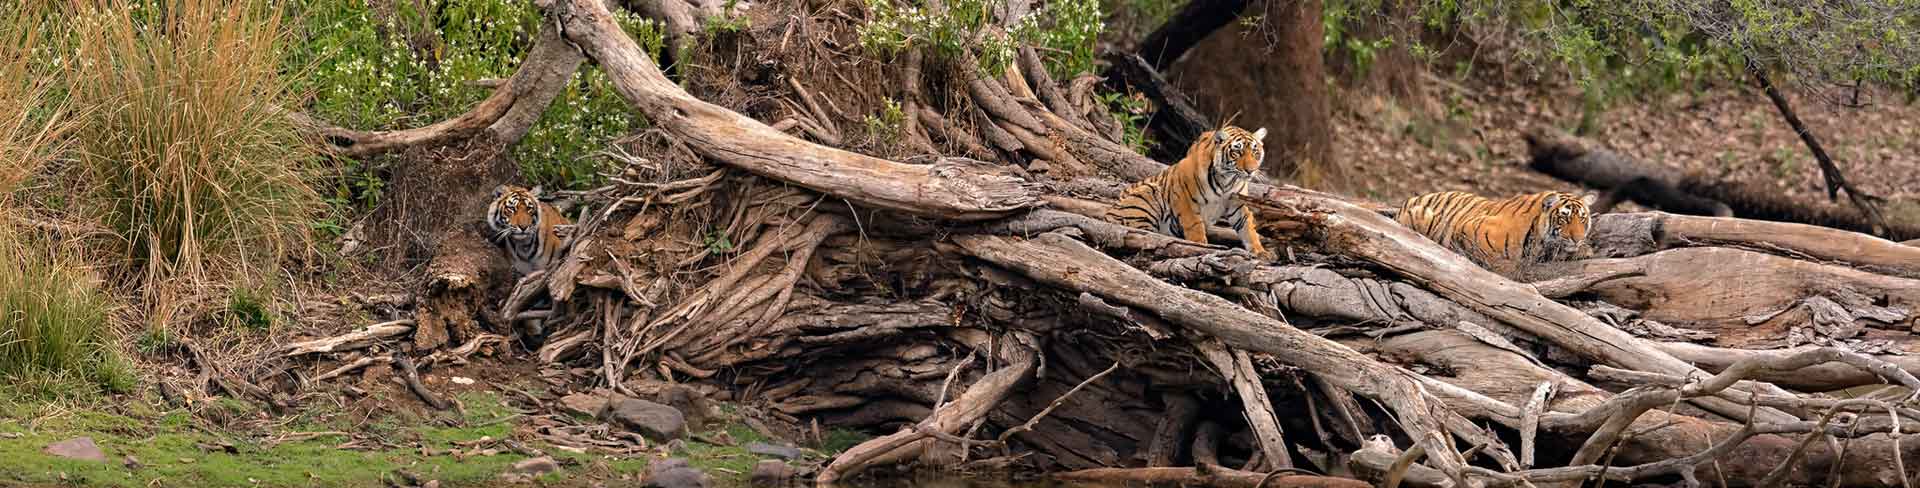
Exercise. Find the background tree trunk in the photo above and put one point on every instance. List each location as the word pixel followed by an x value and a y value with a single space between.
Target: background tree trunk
pixel 1279 58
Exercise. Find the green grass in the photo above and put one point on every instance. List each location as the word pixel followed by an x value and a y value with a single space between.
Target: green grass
pixel 182 152
pixel 166 442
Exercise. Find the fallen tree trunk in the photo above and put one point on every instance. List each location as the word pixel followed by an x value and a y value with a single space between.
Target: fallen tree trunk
pixel 1818 378
pixel 953 188
pixel 1205 475
pixel 1058 260
pixel 1367 235
pixel 1586 162
pixel 1689 286
pixel 1635 234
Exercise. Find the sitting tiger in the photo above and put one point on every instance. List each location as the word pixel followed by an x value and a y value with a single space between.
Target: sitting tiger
pixel 532 231
pixel 1196 192
pixel 1498 234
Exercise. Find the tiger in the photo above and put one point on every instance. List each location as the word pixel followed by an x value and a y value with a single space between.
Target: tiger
pixel 1499 234
pixel 533 232
pixel 1186 198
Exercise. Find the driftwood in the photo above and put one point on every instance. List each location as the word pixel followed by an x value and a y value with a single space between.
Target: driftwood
pixel 1628 235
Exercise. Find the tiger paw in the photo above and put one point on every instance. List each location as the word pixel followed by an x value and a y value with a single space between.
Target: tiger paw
pixel 1266 255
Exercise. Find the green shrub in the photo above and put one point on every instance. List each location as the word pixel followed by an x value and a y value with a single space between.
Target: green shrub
pixel 358 77
pixel 183 152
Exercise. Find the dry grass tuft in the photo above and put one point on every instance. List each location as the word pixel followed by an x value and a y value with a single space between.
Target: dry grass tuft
pixel 181 151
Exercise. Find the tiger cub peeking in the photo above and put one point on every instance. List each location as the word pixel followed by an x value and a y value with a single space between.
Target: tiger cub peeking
pixel 532 231
pixel 1196 192
pixel 1498 234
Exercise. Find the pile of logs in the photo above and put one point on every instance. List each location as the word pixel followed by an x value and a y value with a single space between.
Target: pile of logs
pixel 990 322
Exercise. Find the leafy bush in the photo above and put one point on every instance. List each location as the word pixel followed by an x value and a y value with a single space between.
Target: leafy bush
pixel 183 151
pixel 1067 29
pixel 360 78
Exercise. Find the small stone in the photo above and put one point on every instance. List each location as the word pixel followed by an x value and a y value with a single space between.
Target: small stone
pixel 536 466
pixel 773 473
pixel 657 422
pixel 1039 166
pixel 81 448
pixel 131 462
pixel 587 404
pixel 765 449
pixel 674 473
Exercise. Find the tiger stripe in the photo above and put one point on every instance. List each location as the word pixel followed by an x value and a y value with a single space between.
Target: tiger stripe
pixel 1528 228
pixel 532 231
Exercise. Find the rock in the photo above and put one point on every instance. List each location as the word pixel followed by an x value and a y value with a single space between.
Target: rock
pixel 657 422
pixel 765 449
pixel 536 466
pixel 587 404
pixel 674 473
pixel 773 473
pixel 691 402
pixel 81 448
pixel 131 462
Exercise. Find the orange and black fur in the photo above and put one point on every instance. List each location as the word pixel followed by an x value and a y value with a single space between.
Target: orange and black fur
pixel 1530 228
pixel 1198 191
pixel 532 231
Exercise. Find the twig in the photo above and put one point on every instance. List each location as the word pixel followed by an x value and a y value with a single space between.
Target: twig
pixel 411 377
pixel 1399 469
pixel 1056 404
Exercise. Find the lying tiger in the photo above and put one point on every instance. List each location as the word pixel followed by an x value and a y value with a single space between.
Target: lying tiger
pixel 532 231
pixel 1499 234
pixel 1196 192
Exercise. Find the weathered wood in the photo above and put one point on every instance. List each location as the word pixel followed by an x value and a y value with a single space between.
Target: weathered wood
pixel 359 338
pixel 1205 475
pixel 1691 286
pixel 952 188
pixel 947 420
pixel 1633 234
pixel 1061 261
pixel 1237 368
pixel 1368 235
pixel 1817 378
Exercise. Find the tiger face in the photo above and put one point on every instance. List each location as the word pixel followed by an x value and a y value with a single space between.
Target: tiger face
pixel 1238 153
pixel 515 211
pixel 1567 216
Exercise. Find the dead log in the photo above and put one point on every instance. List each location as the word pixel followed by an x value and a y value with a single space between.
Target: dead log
pixel 945 422
pixel 952 188
pixel 1689 286
pixel 1186 28
pixel 360 338
pixel 1237 368
pixel 1367 235
pixel 1490 383
pixel 1635 234
pixel 1204 475
pixel 1175 123
pixel 1817 378
pixel 1587 162
pixel 1059 261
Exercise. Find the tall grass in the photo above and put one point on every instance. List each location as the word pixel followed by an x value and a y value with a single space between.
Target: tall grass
pixel 182 151
pixel 52 317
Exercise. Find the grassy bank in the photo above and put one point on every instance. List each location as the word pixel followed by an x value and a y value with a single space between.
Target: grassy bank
pixel 173 447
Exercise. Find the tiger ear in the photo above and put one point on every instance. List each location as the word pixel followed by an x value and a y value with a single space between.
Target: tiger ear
pixel 1589 199
pixel 499 190
pixel 1260 135
pixel 1219 137
pixel 535 191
